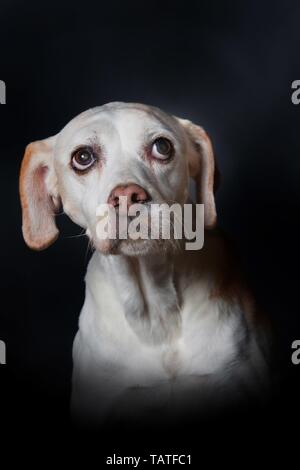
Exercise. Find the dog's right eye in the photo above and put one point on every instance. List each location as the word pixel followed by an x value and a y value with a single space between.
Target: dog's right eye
pixel 82 159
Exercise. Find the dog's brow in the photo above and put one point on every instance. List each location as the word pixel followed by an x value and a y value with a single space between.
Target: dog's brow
pixel 91 141
pixel 159 131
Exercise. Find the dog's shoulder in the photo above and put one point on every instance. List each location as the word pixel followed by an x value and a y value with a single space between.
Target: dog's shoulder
pixel 218 268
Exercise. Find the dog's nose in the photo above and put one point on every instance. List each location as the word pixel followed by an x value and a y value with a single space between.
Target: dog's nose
pixel 135 195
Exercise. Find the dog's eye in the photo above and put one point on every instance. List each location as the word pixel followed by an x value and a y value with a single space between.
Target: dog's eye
pixel 162 148
pixel 82 159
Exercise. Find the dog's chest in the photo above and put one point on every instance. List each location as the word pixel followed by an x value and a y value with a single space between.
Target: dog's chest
pixel 206 340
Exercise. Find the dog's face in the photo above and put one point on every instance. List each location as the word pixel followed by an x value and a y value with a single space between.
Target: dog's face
pixel 115 150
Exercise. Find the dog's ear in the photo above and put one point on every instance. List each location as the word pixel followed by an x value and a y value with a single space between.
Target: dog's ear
pixel 38 192
pixel 202 169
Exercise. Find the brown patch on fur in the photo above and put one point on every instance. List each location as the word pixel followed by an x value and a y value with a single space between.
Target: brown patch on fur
pixel 39 229
pixel 231 286
pixel 202 169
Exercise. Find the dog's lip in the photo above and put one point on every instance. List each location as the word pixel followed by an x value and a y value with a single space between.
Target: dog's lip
pixel 116 246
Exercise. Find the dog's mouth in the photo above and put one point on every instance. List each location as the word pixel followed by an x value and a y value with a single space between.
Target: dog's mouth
pixel 136 247
pixel 147 232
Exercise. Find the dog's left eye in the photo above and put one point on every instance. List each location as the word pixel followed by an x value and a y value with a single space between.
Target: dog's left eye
pixel 82 159
pixel 162 149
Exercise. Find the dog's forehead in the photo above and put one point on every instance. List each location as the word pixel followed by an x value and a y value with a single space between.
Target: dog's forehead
pixel 128 120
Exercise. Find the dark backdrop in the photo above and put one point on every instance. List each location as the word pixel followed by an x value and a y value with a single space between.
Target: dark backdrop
pixel 226 65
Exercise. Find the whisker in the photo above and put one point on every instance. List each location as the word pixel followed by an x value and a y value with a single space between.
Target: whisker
pixel 82 234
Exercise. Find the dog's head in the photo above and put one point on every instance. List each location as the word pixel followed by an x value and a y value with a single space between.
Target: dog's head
pixel 107 152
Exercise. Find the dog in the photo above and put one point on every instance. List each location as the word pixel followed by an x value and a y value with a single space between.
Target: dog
pixel 162 330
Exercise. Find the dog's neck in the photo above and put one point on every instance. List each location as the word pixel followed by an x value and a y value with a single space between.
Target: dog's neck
pixel 146 289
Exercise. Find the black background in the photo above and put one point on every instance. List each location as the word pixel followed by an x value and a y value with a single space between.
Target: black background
pixel 227 66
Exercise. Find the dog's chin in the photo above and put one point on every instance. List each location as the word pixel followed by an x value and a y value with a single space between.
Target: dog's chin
pixel 135 247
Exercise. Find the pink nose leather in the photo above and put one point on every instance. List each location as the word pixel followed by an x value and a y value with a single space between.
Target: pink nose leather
pixel 135 195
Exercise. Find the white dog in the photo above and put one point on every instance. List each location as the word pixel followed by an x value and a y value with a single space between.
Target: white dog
pixel 162 329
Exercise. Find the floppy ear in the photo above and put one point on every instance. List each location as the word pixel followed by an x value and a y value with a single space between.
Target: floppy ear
pixel 202 168
pixel 39 197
